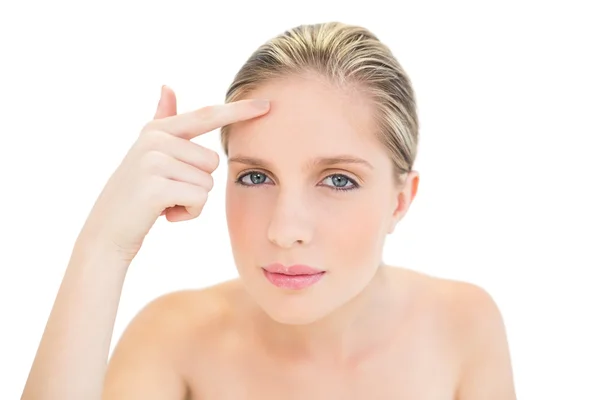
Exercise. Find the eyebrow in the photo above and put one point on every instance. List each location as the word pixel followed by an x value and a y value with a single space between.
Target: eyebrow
pixel 319 161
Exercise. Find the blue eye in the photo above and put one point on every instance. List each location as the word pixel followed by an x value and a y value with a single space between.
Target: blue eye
pixel 339 182
pixel 254 178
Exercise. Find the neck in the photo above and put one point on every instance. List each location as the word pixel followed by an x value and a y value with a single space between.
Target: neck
pixel 350 331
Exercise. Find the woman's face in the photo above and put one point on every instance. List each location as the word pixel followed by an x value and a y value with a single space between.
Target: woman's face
pixel 309 184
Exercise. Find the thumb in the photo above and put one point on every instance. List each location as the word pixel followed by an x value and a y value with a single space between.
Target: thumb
pixel 167 105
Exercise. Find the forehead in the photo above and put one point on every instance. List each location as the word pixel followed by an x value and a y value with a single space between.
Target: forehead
pixel 308 118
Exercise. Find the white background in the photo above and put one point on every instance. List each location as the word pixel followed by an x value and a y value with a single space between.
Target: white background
pixel 508 97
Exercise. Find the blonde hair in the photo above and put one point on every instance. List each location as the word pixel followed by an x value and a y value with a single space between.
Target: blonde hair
pixel 346 55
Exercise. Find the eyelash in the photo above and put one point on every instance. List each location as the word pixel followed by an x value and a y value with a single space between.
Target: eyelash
pixel 337 189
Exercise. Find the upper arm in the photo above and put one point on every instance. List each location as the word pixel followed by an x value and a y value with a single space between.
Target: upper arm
pixel 487 371
pixel 144 363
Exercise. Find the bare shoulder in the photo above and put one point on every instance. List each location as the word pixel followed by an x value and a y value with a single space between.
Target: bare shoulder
pixel 470 306
pixel 476 326
pixel 177 314
pixel 487 367
pixel 151 356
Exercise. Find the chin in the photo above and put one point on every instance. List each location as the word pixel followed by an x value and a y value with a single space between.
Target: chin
pixel 291 314
pixel 291 307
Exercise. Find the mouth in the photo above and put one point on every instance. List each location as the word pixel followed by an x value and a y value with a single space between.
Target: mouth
pixel 295 277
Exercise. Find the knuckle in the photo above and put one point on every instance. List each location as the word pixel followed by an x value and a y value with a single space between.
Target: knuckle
pixel 202 196
pixel 153 161
pixel 210 182
pixel 206 112
pixel 153 139
pixel 212 159
pixel 150 126
pixel 155 191
pixel 195 211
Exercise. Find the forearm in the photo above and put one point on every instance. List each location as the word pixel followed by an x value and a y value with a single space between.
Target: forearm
pixel 71 359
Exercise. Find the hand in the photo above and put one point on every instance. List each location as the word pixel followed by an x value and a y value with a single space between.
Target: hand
pixel 164 173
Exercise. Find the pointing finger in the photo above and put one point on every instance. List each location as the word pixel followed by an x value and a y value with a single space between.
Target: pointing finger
pixel 195 123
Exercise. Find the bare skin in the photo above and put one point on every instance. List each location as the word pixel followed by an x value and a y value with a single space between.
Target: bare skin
pixel 443 340
pixel 164 173
pixel 309 183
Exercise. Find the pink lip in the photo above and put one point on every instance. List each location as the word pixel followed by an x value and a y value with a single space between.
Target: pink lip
pixel 294 277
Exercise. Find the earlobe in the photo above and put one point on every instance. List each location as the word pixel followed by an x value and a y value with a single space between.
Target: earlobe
pixel 404 198
pixel 392 227
pixel 396 213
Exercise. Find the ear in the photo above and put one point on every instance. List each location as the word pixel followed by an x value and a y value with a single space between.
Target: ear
pixel 404 196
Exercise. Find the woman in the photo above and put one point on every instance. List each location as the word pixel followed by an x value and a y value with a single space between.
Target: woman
pixel 320 131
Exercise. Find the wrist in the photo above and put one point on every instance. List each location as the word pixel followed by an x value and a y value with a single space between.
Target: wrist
pixel 94 247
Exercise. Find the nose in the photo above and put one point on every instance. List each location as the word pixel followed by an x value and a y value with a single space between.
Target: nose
pixel 290 222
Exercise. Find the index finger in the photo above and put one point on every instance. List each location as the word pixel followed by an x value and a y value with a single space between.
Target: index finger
pixel 191 124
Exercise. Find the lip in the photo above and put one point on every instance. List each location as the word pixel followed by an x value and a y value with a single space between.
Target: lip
pixel 294 277
pixel 298 269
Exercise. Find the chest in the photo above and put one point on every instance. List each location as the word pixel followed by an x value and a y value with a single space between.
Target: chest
pixel 415 374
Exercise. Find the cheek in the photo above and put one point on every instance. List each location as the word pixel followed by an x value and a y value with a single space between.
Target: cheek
pixel 245 213
pixel 358 216
pixel 352 221
pixel 358 226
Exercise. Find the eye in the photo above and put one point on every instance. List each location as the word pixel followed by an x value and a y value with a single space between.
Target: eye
pixel 341 182
pixel 252 178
